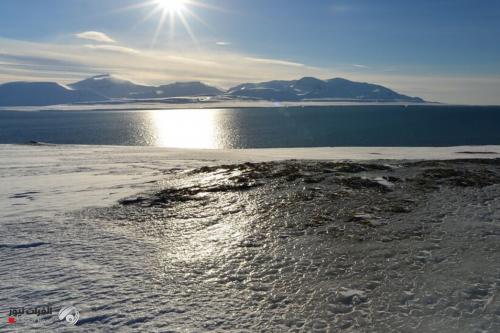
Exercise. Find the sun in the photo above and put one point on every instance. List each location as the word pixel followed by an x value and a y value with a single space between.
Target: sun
pixel 171 12
pixel 172 6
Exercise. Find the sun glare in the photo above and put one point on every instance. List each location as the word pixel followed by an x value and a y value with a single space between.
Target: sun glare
pixel 171 12
pixel 172 6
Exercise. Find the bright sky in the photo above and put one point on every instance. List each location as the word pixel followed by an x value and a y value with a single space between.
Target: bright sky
pixel 442 50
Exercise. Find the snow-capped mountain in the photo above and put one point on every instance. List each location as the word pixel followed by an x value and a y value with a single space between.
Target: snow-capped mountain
pixel 309 88
pixel 182 89
pixel 104 87
pixel 112 86
pixel 189 89
pixel 43 93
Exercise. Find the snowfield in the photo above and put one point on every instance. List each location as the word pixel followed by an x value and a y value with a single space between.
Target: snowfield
pixel 196 103
pixel 143 239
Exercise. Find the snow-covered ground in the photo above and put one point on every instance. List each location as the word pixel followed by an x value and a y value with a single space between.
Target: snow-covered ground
pixel 210 104
pixel 222 263
pixel 63 177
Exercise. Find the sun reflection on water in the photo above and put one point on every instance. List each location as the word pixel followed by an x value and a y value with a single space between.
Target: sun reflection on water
pixel 191 128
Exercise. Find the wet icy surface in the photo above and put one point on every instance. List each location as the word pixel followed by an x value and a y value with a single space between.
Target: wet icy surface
pixel 272 247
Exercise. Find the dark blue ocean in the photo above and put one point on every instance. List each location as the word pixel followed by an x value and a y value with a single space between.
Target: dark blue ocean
pixel 260 127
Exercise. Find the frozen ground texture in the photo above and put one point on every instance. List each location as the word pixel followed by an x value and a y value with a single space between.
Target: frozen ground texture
pixel 160 240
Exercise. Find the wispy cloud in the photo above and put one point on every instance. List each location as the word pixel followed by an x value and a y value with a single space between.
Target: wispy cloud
pixel 223 43
pixel 113 48
pixel 219 67
pixel 67 63
pixel 95 36
pixel 359 66
pixel 274 62
pixel 188 60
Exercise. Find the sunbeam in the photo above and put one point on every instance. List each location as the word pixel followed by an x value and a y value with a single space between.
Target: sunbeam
pixel 173 11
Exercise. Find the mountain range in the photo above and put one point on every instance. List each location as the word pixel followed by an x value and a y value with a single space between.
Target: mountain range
pixel 113 87
pixel 310 88
pixel 43 93
pixel 106 87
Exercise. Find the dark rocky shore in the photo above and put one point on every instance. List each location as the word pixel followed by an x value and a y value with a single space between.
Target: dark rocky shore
pixel 308 246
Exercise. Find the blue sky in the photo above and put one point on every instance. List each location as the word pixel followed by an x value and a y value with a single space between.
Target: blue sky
pixel 444 50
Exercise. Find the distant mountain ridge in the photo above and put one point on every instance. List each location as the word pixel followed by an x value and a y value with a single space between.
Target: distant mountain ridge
pixel 310 88
pixel 107 87
pixel 179 89
pixel 113 87
pixel 43 93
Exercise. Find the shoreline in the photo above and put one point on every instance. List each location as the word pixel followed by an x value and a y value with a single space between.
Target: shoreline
pixel 219 105
pixel 314 153
pixel 118 171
